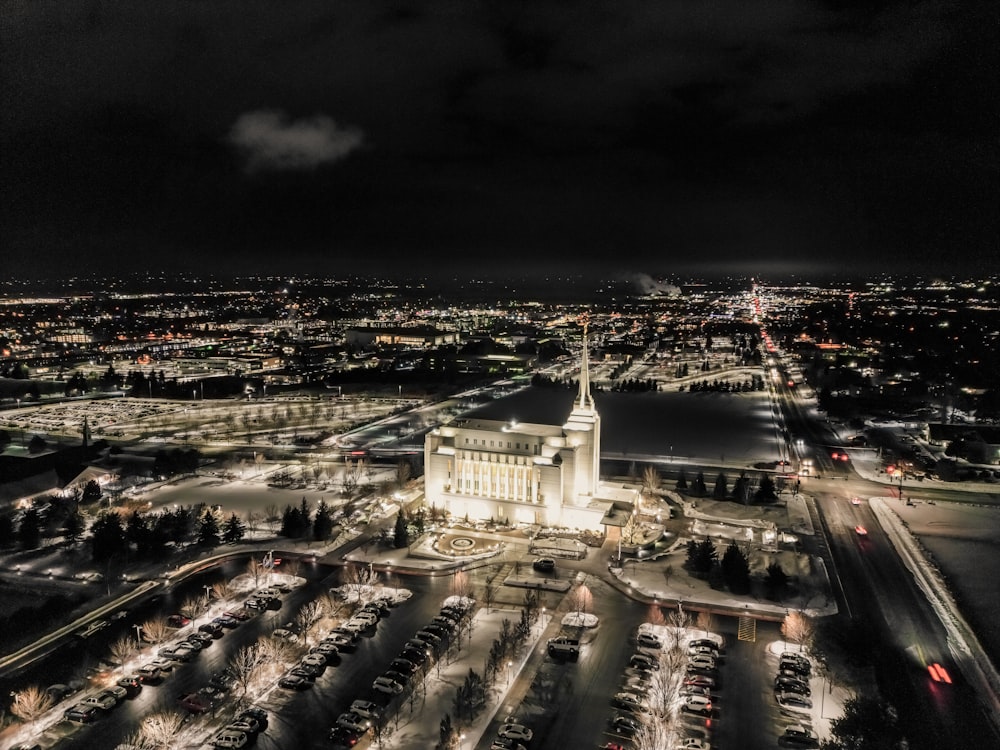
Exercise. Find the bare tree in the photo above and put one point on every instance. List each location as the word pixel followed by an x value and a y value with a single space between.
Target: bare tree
pixel 155 631
pixel 706 621
pixel 651 481
pixel 489 595
pixel 403 471
pixel 653 734
pixel 221 590
pixel 246 666
pixel 308 617
pixel 30 704
pixel 654 615
pixel 581 599
pixel 272 516
pixel 357 580
pixel 253 521
pixel 160 730
pixel 276 652
pixel 291 567
pixel 122 650
pixel 679 618
pixel 256 570
pixel 461 585
pixel 331 606
pixel 798 629
pixel 193 606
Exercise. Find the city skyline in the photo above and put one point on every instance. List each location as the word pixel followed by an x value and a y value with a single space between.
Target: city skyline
pixel 467 140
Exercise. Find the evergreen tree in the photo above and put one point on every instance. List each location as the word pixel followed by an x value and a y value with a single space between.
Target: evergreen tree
pixel 776 580
pixel 92 492
pixel 233 530
pixel 107 537
pixel 29 531
pixel 7 535
pixel 719 492
pixel 322 523
pixel 765 490
pixel 682 482
pixel 736 569
pixel 866 724
pixel 305 519
pixel 741 492
pixel 73 526
pixel 401 537
pixel 698 488
pixel 701 555
pixel 208 530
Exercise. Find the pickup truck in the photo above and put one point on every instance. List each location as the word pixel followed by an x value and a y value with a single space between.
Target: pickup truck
pixel 564 648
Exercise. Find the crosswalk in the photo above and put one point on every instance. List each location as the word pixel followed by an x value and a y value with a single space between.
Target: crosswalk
pixel 747 629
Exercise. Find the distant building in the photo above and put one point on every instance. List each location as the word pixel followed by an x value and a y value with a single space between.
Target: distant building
pixel 400 336
pixel 524 472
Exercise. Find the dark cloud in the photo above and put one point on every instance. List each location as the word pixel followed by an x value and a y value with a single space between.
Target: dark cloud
pixel 602 132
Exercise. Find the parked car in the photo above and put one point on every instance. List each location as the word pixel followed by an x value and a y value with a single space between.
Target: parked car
pixel 178 621
pixel 257 714
pixel 309 671
pixel 285 635
pixel 81 713
pixel 226 621
pixel 648 640
pixel 213 629
pixel 132 684
pixel 798 736
pixel 506 743
pixel 344 737
pixel 230 740
pixel 699 679
pixel 366 708
pixel 403 665
pixel 196 703
pixel 315 660
pixel 698 704
pixel 386 685
pixel 792 685
pixel 544 565
pixel 164 665
pixel 179 652
pixel 416 655
pixel 629 702
pixel 626 724
pixel 705 662
pixel 103 700
pixel 354 722
pixel 150 674
pixel 516 732
pixel 692 743
pixel 295 682
pixel 706 643
pixel 793 701
pixel 644 661
pixel 327 650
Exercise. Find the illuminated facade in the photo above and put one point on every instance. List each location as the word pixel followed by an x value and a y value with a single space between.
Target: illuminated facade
pixel 522 472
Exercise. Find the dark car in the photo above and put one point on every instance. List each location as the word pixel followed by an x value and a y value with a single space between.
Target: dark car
pixel 295 682
pixel 544 565
pixel 625 724
pixel 344 737
pixel 213 629
pixel 196 703
pixel 226 621
pixel 81 714
pixel 403 665
pixel 792 685
pixel 798 736
pixel 240 615
pixel 307 670
pixel 132 685
pixel 257 714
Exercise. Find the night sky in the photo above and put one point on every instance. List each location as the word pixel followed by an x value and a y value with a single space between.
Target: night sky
pixel 602 136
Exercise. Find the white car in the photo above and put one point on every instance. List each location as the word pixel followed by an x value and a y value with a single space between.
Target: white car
pixel 516 732
pixel 366 708
pixel 692 743
pixel 698 704
pixel 285 635
pixel 230 740
pixel 315 660
pixel 368 617
pixel 702 662
pixel 105 701
pixel 386 685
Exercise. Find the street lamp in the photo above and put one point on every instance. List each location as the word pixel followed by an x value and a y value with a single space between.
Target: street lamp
pixel 509 663
pixel 138 637
pixel 208 595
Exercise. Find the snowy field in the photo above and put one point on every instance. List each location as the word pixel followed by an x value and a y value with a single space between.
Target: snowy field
pixel 964 541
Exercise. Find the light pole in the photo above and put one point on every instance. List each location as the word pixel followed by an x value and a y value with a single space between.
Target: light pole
pixel 509 663
pixel 208 595
pixel 138 637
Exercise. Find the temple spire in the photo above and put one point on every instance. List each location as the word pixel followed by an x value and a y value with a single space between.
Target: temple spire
pixel 586 402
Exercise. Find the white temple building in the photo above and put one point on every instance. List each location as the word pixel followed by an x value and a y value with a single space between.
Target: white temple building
pixel 522 472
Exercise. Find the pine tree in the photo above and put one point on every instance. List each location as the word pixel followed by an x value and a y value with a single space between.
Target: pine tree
pixel 765 490
pixel 107 537
pixel 682 482
pixel 208 531
pixel 401 537
pixel 29 531
pixel 322 523
pixel 719 492
pixel 736 569
pixel 233 531
pixel 73 526
pixel 698 488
